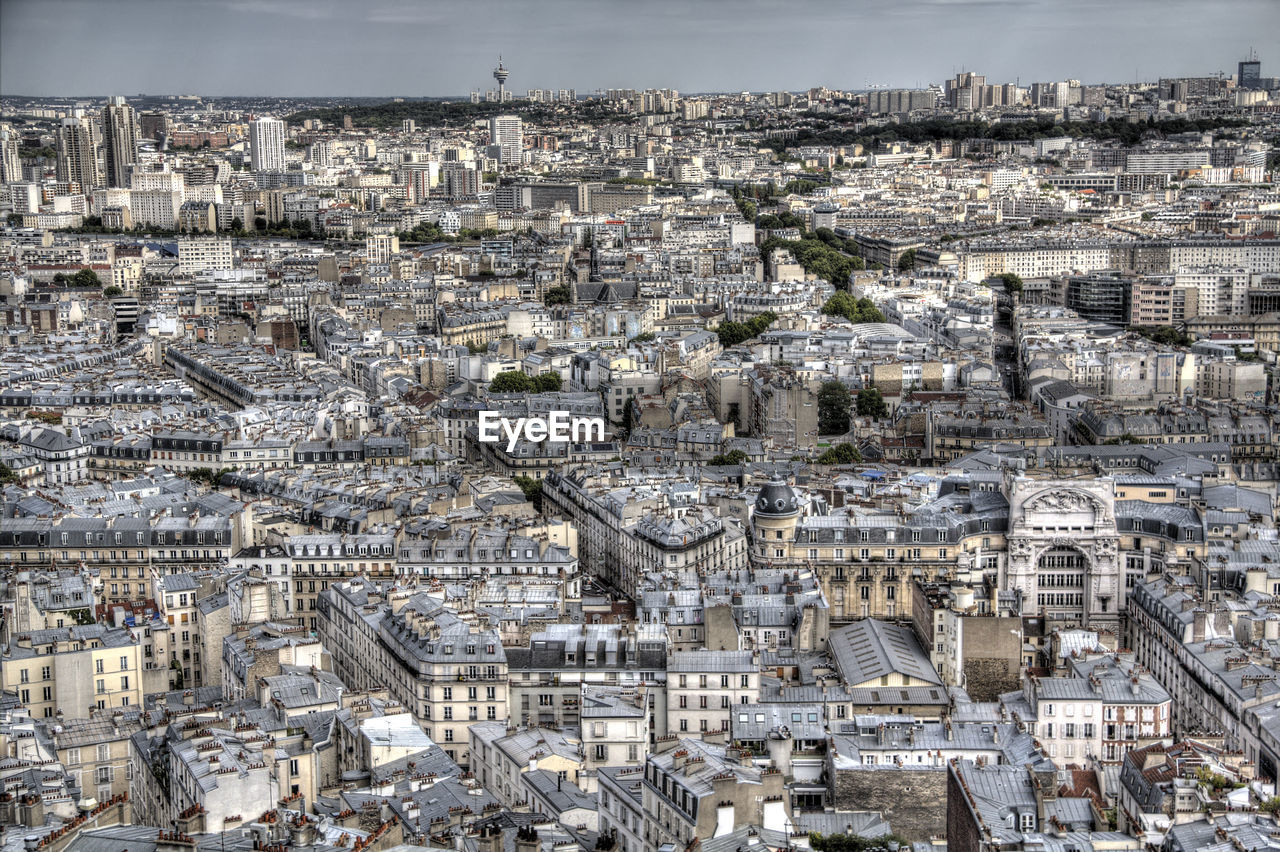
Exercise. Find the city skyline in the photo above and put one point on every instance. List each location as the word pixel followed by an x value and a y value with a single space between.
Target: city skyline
pixel 425 51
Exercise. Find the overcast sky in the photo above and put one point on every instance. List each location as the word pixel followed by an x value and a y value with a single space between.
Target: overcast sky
pixel 398 47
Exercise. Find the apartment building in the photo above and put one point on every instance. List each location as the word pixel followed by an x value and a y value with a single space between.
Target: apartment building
pixel 82 670
pixel 449 670
pixel 695 789
pixel 1106 708
pixel 704 688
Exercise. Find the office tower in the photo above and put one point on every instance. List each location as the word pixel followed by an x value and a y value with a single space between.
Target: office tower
pixel 1249 72
pixel 153 125
pixel 119 141
pixel 507 134
pixel 500 74
pixel 266 144
pixel 10 165
pixel 77 157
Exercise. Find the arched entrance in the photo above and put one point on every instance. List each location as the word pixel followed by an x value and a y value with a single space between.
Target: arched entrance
pixel 1063 551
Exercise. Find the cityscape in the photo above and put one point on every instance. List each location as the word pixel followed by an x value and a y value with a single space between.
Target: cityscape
pixel 524 453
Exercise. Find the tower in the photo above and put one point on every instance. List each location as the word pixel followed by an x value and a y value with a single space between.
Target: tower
pixel 500 74
pixel 774 519
pixel 77 154
pixel 1249 72
pixel 266 145
pixel 10 165
pixel 119 141
pixel 506 133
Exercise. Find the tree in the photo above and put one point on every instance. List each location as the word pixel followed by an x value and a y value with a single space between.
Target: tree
pixel 547 382
pixel 6 474
pixel 237 224
pixel 512 381
pixel 842 453
pixel 532 489
pixel 871 403
pixel 1165 334
pixel 834 404
pixel 732 333
pixel 112 291
pixel 907 261
pixel 730 458
pixel 853 842
pixel 645 337
pixel 854 310
pixel 561 295
pixel 1012 282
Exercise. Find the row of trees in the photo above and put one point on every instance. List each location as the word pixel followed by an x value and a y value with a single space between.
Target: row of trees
pixel 1165 334
pixel 1118 129
pixel 514 381
pixel 429 232
pixel 733 333
pixel 83 278
pixel 434 113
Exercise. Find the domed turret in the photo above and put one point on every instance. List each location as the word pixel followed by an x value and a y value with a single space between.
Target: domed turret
pixel 777 499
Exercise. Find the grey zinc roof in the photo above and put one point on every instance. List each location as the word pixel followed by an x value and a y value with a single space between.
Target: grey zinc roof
pixel 868 650
pixel 560 795
pixel 710 661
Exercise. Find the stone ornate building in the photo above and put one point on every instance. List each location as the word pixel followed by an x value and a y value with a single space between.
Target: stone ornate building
pixel 1063 551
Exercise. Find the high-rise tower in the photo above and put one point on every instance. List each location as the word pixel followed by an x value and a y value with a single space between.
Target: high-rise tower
pixel 506 133
pixel 500 74
pixel 1249 72
pixel 119 141
pixel 77 154
pixel 10 165
pixel 266 144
